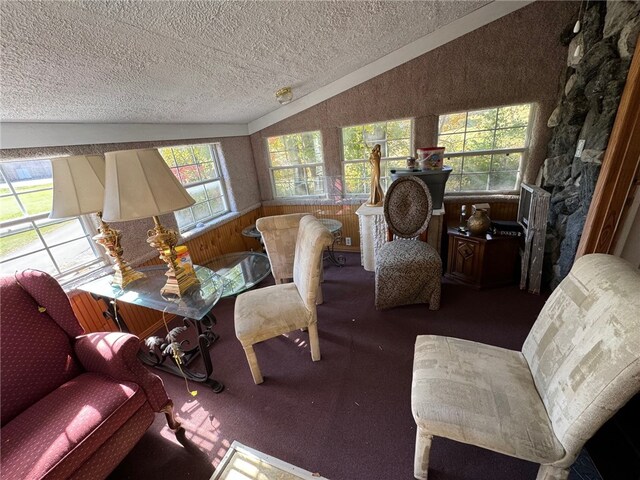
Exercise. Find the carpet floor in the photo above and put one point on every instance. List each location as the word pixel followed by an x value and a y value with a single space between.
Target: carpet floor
pixel 347 416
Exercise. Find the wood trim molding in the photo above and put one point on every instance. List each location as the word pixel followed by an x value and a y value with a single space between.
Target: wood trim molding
pixel 619 168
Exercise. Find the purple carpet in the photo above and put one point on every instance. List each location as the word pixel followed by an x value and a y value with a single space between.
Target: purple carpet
pixel 348 416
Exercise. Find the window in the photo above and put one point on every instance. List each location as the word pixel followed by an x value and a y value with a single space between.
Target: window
pixel 396 143
pixel 198 169
pixel 28 239
pixel 296 165
pixel 486 148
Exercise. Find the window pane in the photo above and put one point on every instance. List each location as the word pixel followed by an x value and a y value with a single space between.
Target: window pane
pixel 208 170
pixel 453 183
pixel 398 148
pixel 37 202
pixel 452 143
pixel 9 208
pixel 214 190
pixel 19 240
pixel 455 163
pixel 482 119
pixel 39 261
pixel 478 141
pixel 276 144
pixel 511 137
pixel 515 116
pixel 506 162
pixel 201 211
pixel 202 153
pixel 198 193
pixel 217 206
pixel 399 129
pixel 478 181
pixel 353 151
pixel 279 159
pixel 4 188
pixel 188 174
pixel 73 254
pixel 453 123
pixel 61 232
pixel 168 156
pixel 183 156
pixel 357 177
pixel 503 181
pixel 184 218
pixel 28 175
pixel 481 163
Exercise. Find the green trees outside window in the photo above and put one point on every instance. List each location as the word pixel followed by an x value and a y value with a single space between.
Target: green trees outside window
pixel 395 138
pixel 486 148
pixel 198 169
pixel 296 165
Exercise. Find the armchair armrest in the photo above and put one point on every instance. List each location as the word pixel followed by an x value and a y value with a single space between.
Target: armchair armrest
pixel 115 354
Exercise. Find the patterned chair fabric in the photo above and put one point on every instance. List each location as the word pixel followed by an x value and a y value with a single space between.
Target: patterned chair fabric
pixel 579 365
pixel 279 234
pixel 272 311
pixel 408 270
pixel 65 396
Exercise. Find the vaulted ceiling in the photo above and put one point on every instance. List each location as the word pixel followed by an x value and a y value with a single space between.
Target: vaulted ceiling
pixel 190 61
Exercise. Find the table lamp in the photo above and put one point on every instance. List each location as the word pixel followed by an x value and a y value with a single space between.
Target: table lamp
pixel 78 189
pixel 139 184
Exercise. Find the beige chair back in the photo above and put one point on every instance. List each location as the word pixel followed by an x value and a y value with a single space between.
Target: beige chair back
pixel 583 348
pixel 279 234
pixel 313 238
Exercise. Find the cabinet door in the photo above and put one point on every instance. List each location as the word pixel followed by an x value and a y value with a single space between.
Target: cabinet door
pixel 465 259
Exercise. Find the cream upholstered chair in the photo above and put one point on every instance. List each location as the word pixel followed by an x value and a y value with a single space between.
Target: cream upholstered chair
pixel 408 269
pixel 279 234
pixel 271 311
pixel 578 366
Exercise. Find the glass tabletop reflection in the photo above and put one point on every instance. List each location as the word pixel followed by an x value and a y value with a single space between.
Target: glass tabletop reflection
pixel 240 271
pixel 145 292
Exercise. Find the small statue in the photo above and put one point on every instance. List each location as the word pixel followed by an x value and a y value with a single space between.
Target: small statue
pixel 376 198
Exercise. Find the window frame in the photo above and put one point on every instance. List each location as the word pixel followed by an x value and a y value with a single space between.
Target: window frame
pixel 523 151
pixel 214 150
pixel 384 161
pixel 35 222
pixel 322 179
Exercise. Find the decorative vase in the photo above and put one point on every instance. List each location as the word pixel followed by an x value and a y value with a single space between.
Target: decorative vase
pixel 478 223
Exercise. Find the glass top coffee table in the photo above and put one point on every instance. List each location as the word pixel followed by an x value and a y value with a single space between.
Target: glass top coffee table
pixel 240 271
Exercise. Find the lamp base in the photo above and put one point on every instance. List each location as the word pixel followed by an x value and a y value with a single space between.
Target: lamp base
pixel 109 238
pixel 165 241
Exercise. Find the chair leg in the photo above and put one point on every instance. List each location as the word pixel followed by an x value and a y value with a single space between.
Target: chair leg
pixel 549 472
pixel 314 342
pixel 253 364
pixel 169 413
pixel 319 297
pixel 421 460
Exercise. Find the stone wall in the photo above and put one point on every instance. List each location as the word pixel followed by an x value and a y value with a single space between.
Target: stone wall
pixel 597 65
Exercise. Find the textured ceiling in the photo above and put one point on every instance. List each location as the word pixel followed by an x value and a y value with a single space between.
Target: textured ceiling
pixel 191 61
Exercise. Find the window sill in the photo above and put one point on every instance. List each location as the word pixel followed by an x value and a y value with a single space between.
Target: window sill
pixel 215 223
pixel 481 197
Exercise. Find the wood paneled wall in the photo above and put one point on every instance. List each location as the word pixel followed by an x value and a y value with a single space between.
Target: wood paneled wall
pixel 346 214
pixel 503 210
pixel 228 238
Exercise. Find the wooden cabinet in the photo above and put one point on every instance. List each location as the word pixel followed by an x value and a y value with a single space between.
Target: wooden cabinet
pixel 482 261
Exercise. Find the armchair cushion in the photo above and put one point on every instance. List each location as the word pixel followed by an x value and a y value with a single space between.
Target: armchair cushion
pixel 66 427
pixel 115 354
pixel 483 395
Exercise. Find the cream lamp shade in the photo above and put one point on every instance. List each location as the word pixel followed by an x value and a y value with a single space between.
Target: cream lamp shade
pixel 139 184
pixel 78 185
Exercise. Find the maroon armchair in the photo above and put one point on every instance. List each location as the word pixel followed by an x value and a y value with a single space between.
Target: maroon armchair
pixel 72 405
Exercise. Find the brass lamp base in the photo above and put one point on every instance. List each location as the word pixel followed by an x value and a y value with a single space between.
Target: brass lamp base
pixel 110 240
pixel 165 241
